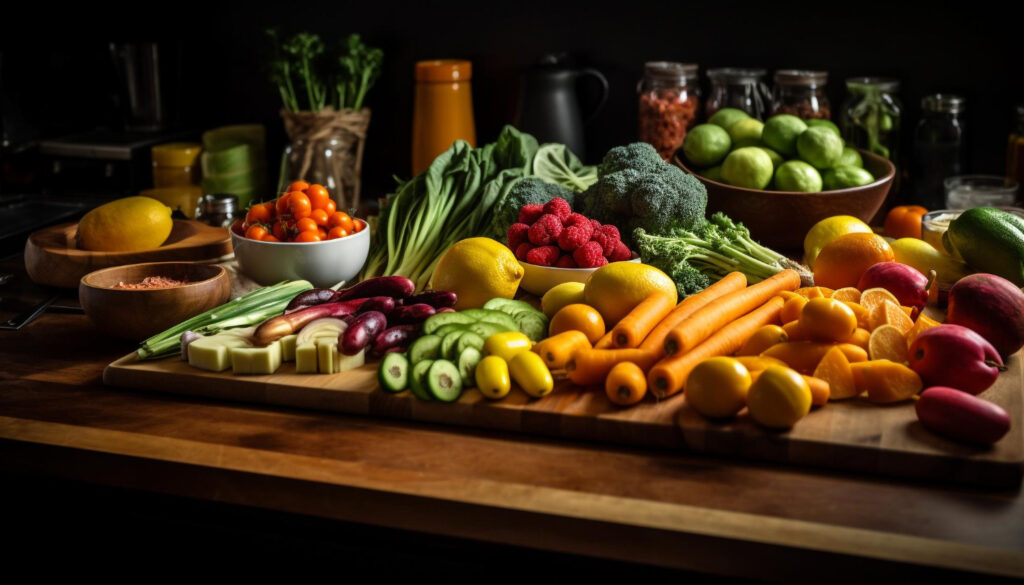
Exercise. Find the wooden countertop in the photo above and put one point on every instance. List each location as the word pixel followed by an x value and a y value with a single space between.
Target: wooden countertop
pixel 666 509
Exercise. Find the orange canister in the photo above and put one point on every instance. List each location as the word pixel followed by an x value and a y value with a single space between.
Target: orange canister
pixel 442 110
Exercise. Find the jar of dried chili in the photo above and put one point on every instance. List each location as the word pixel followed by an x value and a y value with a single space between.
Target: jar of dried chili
pixel 801 93
pixel 667 105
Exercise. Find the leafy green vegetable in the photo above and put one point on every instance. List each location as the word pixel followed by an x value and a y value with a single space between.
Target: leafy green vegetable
pixel 555 163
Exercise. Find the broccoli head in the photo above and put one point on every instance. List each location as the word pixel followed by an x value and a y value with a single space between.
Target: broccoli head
pixel 524 192
pixel 639 156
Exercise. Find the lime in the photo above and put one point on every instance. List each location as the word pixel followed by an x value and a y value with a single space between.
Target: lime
pixel 819 146
pixel 706 145
pixel 850 158
pixel 780 133
pixel 746 132
pixel 713 174
pixel 796 175
pixel 726 116
pixel 749 167
pixel 822 123
pixel 842 177
pixel 776 157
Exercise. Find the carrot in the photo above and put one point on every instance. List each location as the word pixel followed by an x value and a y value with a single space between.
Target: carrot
pixel 634 327
pixel 606 341
pixel 668 376
pixel 720 312
pixel 591 366
pixel 734 281
pixel 626 384
pixel 557 350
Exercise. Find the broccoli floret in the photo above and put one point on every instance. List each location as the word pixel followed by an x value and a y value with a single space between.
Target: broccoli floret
pixel 639 156
pixel 524 192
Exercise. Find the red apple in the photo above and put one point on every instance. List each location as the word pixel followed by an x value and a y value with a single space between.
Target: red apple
pixel 991 306
pixel 906 283
pixel 955 356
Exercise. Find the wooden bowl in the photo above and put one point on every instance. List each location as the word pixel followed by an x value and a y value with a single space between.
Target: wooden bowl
pixel 136 314
pixel 781 219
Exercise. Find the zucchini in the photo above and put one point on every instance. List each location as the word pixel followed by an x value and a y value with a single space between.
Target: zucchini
pixel 468 359
pixel 427 347
pixel 436 321
pixel 448 344
pixel 508 306
pixel 444 381
pixel 418 379
pixel 469 339
pixel 393 373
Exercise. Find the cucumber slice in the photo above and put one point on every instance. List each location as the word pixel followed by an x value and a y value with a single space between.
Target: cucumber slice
pixel 486 330
pixel 444 381
pixel 469 339
pixel 435 322
pixel 448 344
pixel 418 379
pixel 533 324
pixel 496 317
pixel 393 373
pixel 446 329
pixel 508 306
pixel 427 347
pixel 468 359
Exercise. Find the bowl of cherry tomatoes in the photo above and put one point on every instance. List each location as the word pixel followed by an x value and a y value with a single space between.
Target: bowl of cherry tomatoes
pixel 300 235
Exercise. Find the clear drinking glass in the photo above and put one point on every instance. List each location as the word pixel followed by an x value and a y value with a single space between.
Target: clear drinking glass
pixel 967 191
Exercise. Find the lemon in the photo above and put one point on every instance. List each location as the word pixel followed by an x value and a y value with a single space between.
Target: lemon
pixel 827 230
pixel 614 289
pixel 567 293
pixel 717 387
pixel 125 225
pixel 922 256
pixel 779 398
pixel 477 270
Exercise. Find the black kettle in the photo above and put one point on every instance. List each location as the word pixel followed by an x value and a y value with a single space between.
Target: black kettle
pixel 549 107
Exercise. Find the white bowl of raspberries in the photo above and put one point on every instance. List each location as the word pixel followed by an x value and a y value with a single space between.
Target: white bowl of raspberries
pixel 555 245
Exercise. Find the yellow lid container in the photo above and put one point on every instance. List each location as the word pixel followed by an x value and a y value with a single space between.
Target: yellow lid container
pixel 176 154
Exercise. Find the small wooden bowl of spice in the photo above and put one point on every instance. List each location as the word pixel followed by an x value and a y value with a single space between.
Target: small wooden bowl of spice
pixel 137 301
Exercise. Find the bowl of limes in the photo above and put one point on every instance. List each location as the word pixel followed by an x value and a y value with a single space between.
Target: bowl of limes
pixel 781 176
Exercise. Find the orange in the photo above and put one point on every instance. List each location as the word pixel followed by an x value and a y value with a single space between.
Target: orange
pixel 889 313
pixel 828 320
pixel 578 317
pixel 873 297
pixel 844 260
pixel 861 312
pixel 888 343
pixel 848 294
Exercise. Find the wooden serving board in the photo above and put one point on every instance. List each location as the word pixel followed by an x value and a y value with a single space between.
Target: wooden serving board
pixel 51 257
pixel 852 434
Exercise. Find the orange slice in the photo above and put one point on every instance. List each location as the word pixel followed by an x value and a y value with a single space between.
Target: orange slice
pixel 835 369
pixel 885 381
pixel 873 297
pixel 849 294
pixel 792 309
pixel 922 324
pixel 861 338
pixel 860 312
pixel 889 313
pixel 888 343
pixel 814 292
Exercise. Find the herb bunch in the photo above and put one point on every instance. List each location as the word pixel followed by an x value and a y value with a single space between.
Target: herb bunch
pixel 310 77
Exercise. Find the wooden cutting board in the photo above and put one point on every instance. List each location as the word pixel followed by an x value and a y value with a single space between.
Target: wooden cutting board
pixel 51 257
pixel 852 435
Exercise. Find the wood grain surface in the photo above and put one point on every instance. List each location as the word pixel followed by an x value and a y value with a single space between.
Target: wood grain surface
pixel 851 434
pixel 660 507
pixel 52 259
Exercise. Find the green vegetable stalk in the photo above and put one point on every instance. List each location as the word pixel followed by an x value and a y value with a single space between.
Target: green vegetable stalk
pixel 301 66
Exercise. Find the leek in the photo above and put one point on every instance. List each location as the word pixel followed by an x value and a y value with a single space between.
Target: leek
pixel 250 309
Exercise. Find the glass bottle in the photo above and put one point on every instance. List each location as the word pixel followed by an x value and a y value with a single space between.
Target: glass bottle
pixel 870 118
pixel 801 93
pixel 743 89
pixel 939 148
pixel 667 105
pixel 442 110
pixel 1015 148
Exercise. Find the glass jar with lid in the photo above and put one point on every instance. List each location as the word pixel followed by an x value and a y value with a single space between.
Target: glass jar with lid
pixel 801 93
pixel 870 118
pixel 743 89
pixel 939 148
pixel 667 104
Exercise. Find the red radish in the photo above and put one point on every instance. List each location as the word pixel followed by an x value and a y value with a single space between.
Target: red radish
pixel 906 283
pixel 951 355
pixel 954 414
pixel 991 306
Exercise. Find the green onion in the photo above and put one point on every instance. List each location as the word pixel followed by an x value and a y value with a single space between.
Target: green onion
pixel 246 310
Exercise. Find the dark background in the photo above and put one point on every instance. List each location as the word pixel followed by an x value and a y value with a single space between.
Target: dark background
pixel 57 76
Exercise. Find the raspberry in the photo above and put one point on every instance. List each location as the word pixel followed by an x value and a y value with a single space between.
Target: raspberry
pixel 573 237
pixel 578 220
pixel 529 213
pixel 605 241
pixel 545 230
pixel 566 261
pixel 596 224
pixel 522 250
pixel 543 255
pixel 517 234
pixel 558 207
pixel 611 231
pixel 620 253
pixel 589 255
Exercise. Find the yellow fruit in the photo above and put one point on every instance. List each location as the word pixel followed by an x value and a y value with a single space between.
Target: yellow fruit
pixel 477 270
pixel 578 317
pixel 492 377
pixel 125 225
pixel 779 398
pixel 717 387
pixel 922 256
pixel 531 374
pixel 506 345
pixel 615 289
pixel 567 293
pixel 827 230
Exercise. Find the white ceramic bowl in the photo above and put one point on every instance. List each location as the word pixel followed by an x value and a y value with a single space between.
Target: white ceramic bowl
pixel 324 264
pixel 537 280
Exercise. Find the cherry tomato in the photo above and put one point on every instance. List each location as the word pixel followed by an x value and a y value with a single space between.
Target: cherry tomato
pixel 341 219
pixel 282 204
pixel 318 196
pixel 358 225
pixel 255 232
pixel 336 232
pixel 281 230
pixel 258 214
pixel 236 226
pixel 269 238
pixel 298 186
pixel 319 216
pixel 306 224
pixel 331 207
pixel 299 204
pixel 322 232
pixel 307 237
